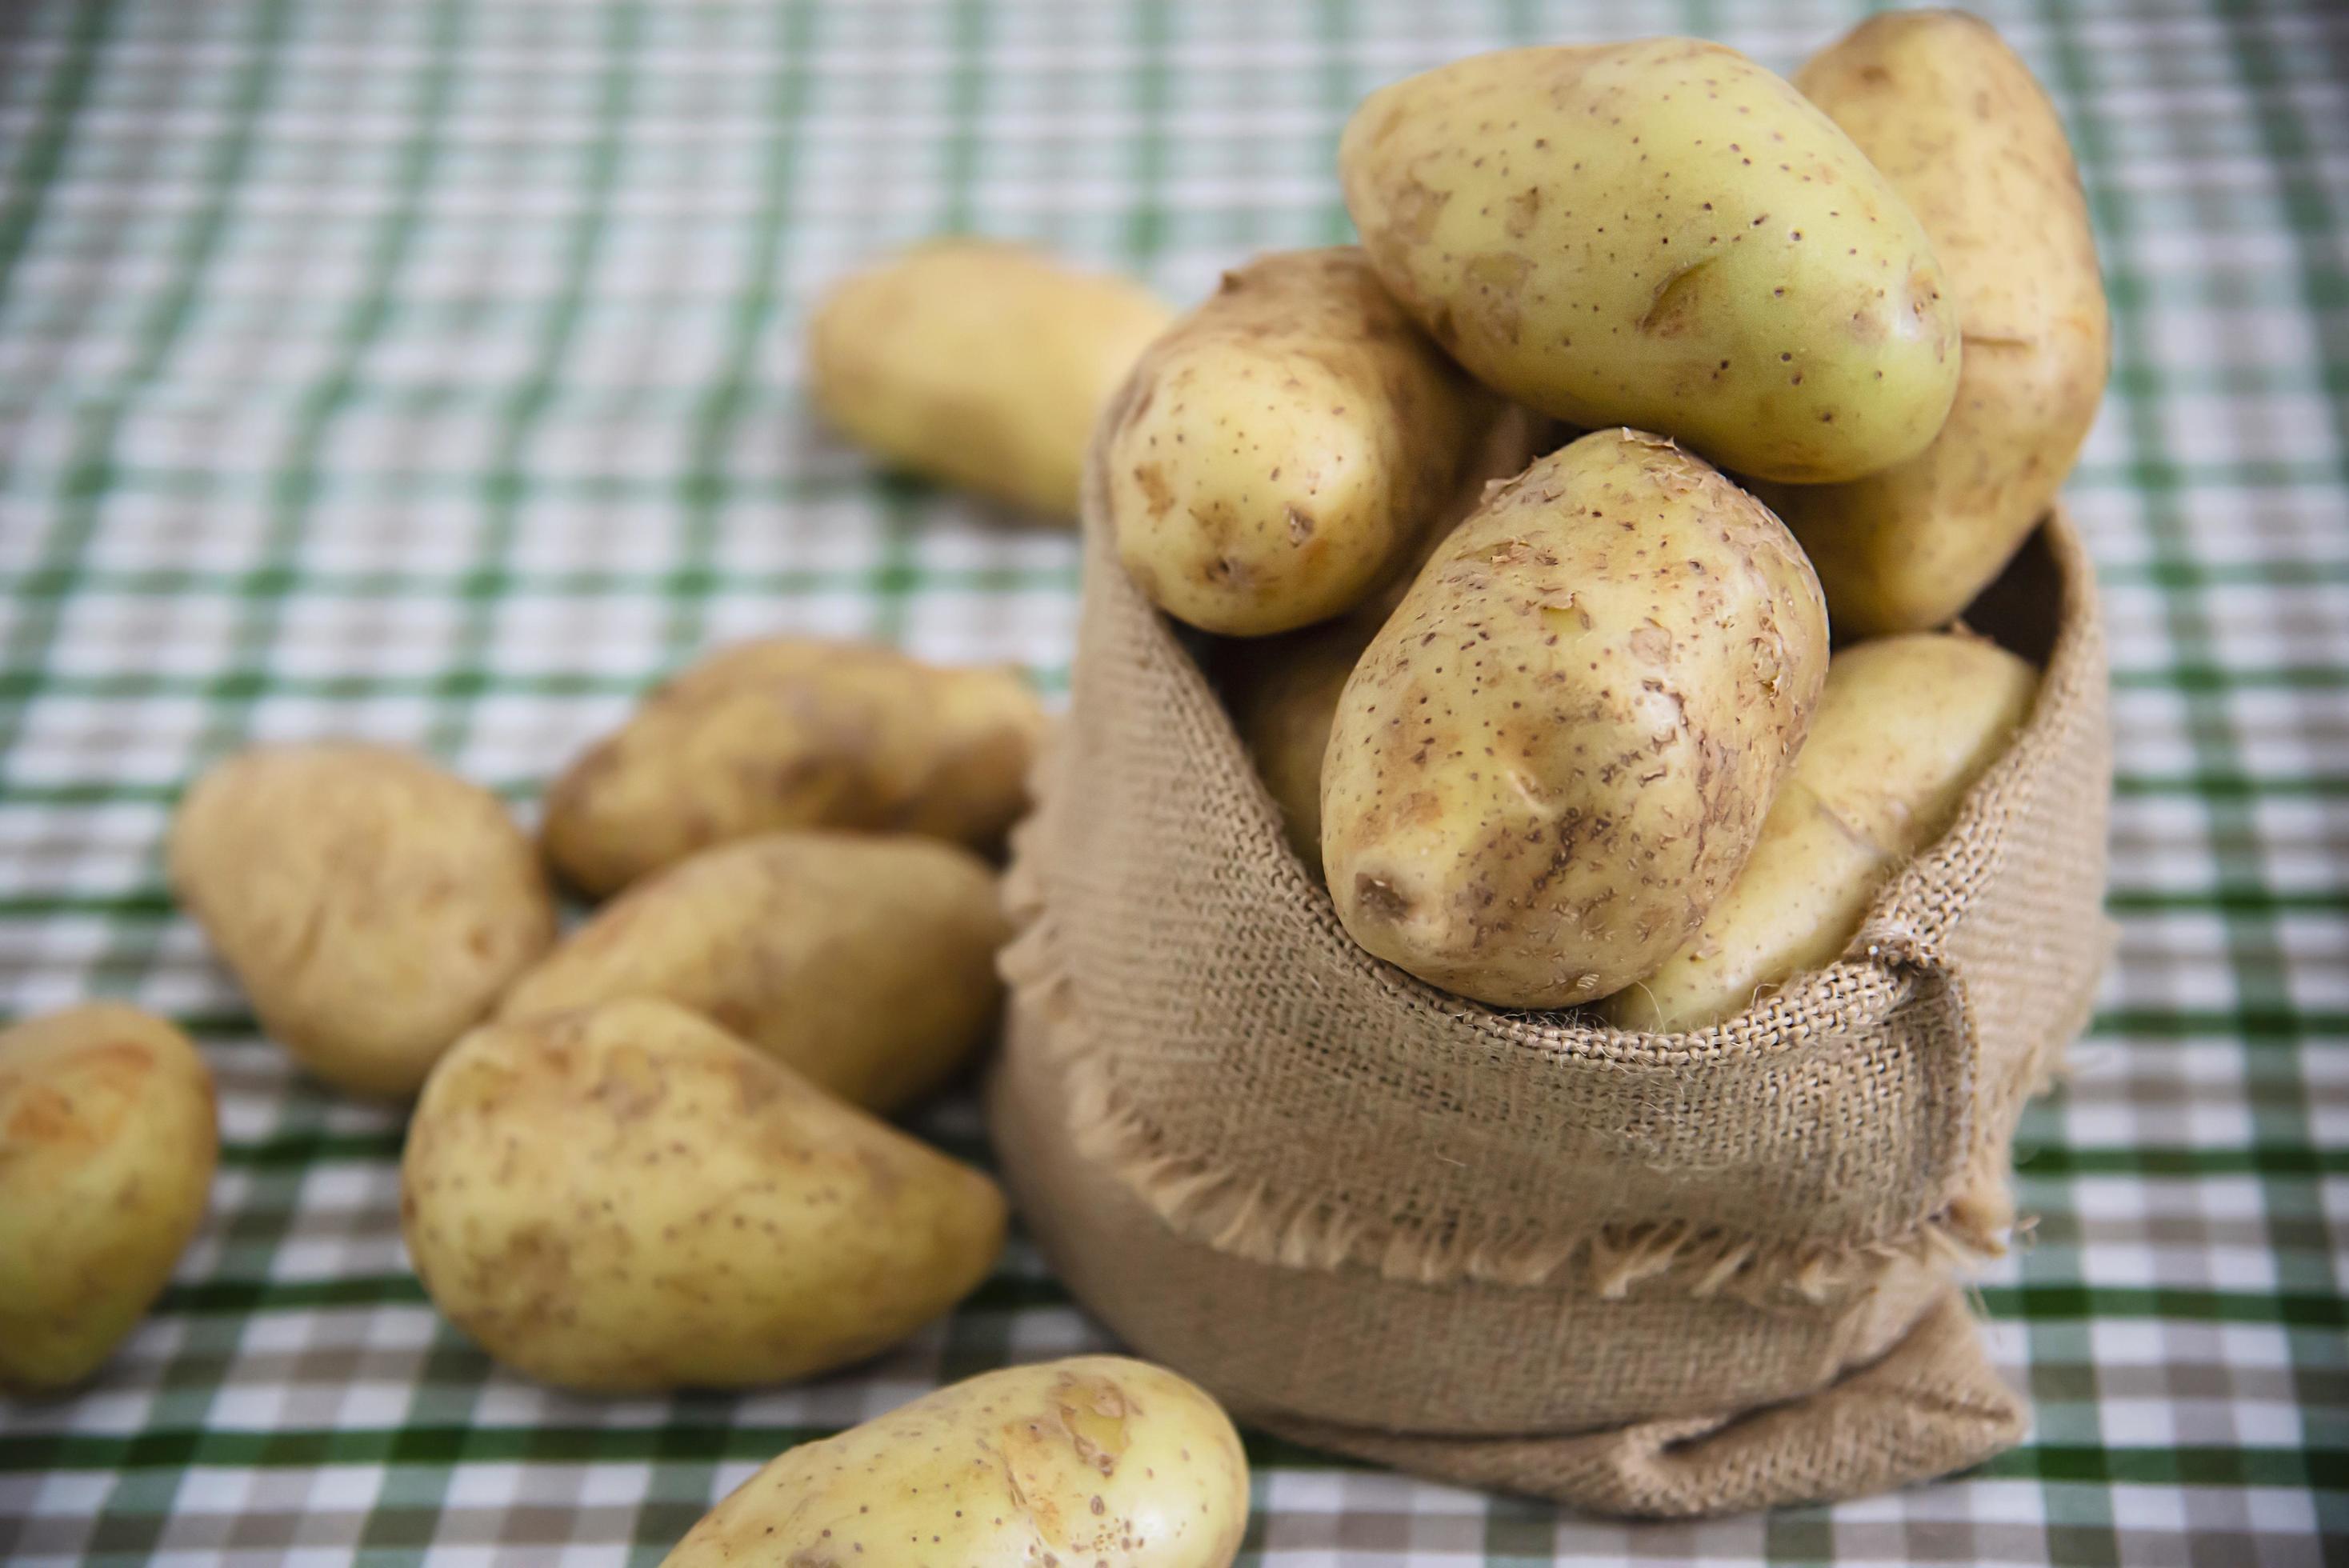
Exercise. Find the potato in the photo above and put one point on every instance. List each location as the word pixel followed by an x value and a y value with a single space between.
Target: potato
pixel 980 364
pixel 1283 708
pixel 1095 1460
pixel 1663 235
pixel 625 1198
pixel 1279 453
pixel 865 963
pixel 372 906
pixel 108 1141
pixel 1560 748
pixel 1904 728
pixel 795 732
pixel 1955 121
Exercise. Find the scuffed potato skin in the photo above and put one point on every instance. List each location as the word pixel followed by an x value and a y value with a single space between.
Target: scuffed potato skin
pixel 796 732
pixel 865 963
pixel 372 905
pixel 1277 455
pixel 1955 121
pixel 1098 1461
pixel 107 1140
pixel 980 364
pixel 627 1199
pixel 1661 234
pixel 1558 751
pixel 1905 726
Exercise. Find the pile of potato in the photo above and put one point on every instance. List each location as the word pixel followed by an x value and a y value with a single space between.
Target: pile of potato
pixel 1520 535
pixel 1836 345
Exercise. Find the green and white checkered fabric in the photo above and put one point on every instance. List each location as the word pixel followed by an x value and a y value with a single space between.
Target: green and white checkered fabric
pixel 429 371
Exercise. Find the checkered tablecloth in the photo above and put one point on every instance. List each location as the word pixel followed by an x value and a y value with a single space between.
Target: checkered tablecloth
pixel 429 371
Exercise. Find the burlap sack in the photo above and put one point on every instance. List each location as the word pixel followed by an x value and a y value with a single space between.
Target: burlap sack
pixel 1652 1274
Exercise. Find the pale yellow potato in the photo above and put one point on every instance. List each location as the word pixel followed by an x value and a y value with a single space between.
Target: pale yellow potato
pixel 863 962
pixel 1905 726
pixel 372 905
pixel 796 732
pixel 980 364
pixel 1957 124
pixel 1662 234
pixel 1097 1460
pixel 627 1199
pixel 1279 453
pixel 1560 748
pixel 107 1140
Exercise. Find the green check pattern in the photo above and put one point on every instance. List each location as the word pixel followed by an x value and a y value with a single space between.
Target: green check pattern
pixel 430 372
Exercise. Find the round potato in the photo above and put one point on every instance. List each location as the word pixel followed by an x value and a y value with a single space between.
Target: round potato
pixel 1278 455
pixel 1096 1459
pixel 372 906
pixel 1662 234
pixel 626 1199
pixel 1560 748
pixel 107 1140
pixel 796 732
pixel 1940 104
pixel 1905 726
pixel 865 963
pixel 980 364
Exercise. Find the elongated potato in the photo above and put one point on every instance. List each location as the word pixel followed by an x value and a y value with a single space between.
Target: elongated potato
pixel 795 732
pixel 372 906
pixel 1955 121
pixel 1558 751
pixel 1279 453
pixel 1663 235
pixel 627 1199
pixel 980 364
pixel 1096 1459
pixel 863 962
pixel 108 1141
pixel 1905 726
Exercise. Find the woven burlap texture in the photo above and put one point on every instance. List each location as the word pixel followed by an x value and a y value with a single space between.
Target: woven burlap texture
pixel 1339 1196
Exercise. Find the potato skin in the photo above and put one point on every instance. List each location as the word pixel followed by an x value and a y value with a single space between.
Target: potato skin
pixel 795 732
pixel 1558 752
pixel 108 1141
pixel 863 962
pixel 1959 127
pixel 625 1199
pixel 1097 1460
pixel 372 905
pixel 1905 726
pixel 1662 234
pixel 1275 455
pixel 980 364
